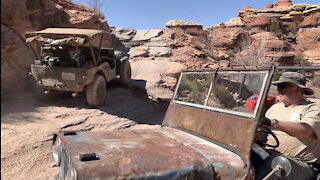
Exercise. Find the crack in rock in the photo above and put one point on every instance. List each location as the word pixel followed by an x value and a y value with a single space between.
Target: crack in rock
pixel 75 123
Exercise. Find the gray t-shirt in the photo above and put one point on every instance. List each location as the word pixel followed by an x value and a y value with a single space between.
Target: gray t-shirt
pixel 306 149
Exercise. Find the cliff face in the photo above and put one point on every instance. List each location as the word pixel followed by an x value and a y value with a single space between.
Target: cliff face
pixel 282 32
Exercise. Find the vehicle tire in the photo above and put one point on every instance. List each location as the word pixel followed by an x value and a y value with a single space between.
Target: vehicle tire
pixel 125 72
pixel 96 91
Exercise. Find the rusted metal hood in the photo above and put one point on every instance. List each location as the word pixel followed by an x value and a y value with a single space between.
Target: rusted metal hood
pixel 163 153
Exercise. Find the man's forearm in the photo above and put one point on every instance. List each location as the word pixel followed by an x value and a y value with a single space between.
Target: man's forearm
pixel 299 130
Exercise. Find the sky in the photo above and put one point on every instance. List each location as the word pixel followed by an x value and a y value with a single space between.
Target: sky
pixel 152 14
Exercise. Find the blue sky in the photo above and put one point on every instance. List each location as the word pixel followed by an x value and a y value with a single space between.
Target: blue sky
pixel 151 14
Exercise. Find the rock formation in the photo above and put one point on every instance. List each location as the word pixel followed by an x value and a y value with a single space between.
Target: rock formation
pixel 245 8
pixel 269 5
pixel 158 55
pixel 283 3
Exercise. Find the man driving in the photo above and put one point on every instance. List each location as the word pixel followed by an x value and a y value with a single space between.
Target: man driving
pixel 296 123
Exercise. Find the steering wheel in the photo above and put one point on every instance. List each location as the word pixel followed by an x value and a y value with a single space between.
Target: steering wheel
pixel 268 131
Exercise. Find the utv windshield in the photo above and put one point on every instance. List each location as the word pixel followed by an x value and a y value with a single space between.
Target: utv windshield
pixel 232 92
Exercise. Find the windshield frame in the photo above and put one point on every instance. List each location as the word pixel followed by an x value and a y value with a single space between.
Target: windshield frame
pixel 222 110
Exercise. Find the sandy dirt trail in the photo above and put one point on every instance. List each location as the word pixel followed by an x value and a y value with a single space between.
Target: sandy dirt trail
pixel 29 120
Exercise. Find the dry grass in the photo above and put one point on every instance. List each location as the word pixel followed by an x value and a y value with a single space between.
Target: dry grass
pixel 248 55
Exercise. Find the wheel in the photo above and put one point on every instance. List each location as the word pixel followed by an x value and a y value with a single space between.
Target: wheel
pixel 125 72
pixel 96 91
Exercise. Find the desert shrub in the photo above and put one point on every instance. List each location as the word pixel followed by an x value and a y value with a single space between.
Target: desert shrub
pixel 223 95
pixel 293 28
pixel 276 76
pixel 222 24
pixel 300 60
pixel 198 42
pixel 196 86
pixel 231 53
pixel 95 6
pixel 82 5
pixel 275 28
pixel 249 55
pixel 99 13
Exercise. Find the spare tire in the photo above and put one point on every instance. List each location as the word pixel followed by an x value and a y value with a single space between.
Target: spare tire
pixel 125 72
pixel 96 91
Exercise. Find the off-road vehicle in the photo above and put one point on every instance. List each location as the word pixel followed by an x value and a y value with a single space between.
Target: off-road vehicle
pixel 209 132
pixel 77 60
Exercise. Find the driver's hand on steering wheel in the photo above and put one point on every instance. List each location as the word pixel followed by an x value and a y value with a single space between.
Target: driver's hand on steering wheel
pixel 265 122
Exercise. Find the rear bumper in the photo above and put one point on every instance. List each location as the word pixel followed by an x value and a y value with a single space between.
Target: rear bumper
pixel 61 78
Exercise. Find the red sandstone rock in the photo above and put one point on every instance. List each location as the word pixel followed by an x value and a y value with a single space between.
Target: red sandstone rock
pixel 269 5
pixel 261 21
pixel 246 7
pixel 311 20
pixel 283 3
pixel 308 43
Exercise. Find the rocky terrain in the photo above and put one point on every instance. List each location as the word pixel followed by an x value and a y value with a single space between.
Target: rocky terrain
pixel 284 33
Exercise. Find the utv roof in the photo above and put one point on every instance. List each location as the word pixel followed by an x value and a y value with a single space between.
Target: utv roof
pixel 78 36
pixel 67 31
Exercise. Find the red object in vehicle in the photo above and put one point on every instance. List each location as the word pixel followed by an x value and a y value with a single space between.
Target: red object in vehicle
pixel 252 101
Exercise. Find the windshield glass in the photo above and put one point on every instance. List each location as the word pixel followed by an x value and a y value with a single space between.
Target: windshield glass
pixel 234 92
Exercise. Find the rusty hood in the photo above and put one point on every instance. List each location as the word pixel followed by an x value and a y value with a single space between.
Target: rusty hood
pixel 163 153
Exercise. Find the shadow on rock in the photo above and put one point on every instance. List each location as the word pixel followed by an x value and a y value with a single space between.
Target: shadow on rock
pixel 132 102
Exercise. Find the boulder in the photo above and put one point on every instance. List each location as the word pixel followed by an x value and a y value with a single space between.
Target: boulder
pixel 140 51
pixel 269 5
pixel 308 43
pixel 223 37
pixel 159 51
pixel 261 21
pixel 144 35
pixel 123 34
pixel 283 3
pixel 313 20
pixel 152 72
pixel 237 21
pixel 246 7
pixel 182 23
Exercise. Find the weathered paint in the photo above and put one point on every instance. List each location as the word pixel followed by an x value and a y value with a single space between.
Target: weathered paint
pixel 163 153
pixel 235 132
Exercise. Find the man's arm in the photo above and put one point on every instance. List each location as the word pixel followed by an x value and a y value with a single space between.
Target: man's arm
pixel 299 130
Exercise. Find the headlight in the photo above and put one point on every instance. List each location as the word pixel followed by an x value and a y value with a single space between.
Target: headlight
pixel 71 174
pixel 57 151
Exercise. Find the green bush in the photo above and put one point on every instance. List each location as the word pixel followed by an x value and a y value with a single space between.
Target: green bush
pixel 223 95
pixel 99 13
pixel 293 28
pixel 276 76
pixel 275 28
pixel 231 53
pixel 300 60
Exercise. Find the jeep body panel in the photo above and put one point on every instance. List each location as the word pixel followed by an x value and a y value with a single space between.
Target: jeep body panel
pixel 164 153
pixel 69 78
pixel 201 137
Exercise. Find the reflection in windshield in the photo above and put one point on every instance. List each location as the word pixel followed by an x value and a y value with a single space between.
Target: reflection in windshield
pixel 232 90
pixel 194 88
pixel 229 90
